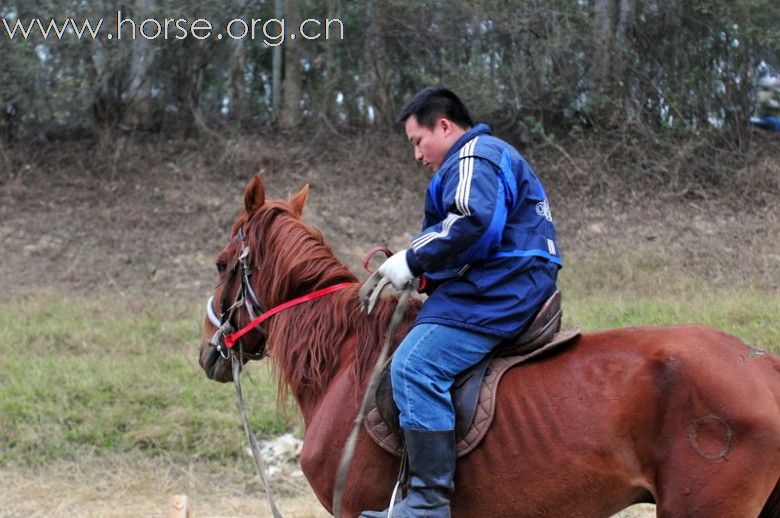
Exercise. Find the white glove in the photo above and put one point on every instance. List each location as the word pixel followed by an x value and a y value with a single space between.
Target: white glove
pixel 397 271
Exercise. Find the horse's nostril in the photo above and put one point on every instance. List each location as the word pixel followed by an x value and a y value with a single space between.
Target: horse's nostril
pixel 210 365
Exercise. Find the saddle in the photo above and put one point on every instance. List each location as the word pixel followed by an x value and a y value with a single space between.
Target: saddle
pixel 474 391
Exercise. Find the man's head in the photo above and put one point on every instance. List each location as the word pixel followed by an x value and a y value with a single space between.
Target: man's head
pixel 434 120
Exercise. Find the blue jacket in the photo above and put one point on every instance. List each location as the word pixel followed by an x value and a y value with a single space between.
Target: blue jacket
pixel 488 247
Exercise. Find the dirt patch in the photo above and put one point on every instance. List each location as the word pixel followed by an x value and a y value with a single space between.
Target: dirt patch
pixel 132 485
pixel 149 216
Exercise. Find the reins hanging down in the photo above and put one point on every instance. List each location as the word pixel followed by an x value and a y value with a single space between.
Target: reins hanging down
pixel 259 466
pixel 369 294
pixel 229 341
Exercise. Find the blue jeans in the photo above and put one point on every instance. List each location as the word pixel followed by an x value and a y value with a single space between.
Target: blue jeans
pixel 424 368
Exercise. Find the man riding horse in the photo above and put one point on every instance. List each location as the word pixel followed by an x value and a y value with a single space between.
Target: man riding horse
pixel 488 259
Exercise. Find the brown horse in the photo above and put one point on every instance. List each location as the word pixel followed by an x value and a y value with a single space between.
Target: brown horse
pixel 686 417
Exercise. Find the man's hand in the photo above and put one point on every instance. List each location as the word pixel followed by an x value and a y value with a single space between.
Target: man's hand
pixel 397 271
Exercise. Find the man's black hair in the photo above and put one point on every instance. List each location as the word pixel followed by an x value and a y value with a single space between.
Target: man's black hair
pixel 433 103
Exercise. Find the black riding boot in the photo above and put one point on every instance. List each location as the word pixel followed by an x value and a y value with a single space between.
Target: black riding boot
pixel 431 470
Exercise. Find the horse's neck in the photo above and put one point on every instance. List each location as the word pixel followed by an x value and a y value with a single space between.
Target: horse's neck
pixel 316 365
pixel 308 268
pixel 309 340
pixel 318 405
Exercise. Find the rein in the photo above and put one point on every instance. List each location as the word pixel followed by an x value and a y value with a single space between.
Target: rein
pixel 256 455
pixel 349 447
pixel 232 338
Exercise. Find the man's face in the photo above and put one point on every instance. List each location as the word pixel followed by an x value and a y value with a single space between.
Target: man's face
pixel 431 145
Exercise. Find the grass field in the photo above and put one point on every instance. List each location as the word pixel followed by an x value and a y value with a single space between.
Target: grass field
pixel 104 410
pixel 116 376
pixel 119 376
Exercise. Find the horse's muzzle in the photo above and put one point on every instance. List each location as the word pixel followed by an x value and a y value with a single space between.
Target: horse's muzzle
pixel 214 365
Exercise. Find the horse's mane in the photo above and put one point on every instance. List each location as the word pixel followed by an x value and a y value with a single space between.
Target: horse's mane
pixel 310 344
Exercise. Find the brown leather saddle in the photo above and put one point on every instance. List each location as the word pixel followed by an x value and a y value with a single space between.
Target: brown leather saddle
pixel 473 393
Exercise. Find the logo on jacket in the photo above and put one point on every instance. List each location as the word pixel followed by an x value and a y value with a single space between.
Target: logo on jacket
pixel 543 209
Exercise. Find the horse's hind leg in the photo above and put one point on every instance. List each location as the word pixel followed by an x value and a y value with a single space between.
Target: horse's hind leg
pixel 717 472
pixel 718 450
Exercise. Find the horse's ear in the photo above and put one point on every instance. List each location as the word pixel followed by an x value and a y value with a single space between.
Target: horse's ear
pixel 254 195
pixel 299 200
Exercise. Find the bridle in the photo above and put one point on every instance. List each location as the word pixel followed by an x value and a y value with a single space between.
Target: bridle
pixel 227 335
pixel 245 296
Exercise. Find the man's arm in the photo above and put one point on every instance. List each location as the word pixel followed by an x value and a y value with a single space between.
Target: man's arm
pixel 471 199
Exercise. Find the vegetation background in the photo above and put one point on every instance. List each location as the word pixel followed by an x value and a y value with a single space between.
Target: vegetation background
pixel 122 165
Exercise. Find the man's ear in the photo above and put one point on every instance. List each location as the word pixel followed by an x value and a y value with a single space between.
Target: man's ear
pixel 446 125
pixel 254 195
pixel 299 200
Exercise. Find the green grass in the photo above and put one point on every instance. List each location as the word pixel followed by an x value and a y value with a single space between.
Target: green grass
pixel 748 315
pixel 117 377
pixel 81 373
pixel 603 292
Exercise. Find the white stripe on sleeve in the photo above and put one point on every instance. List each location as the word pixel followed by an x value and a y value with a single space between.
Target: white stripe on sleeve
pixel 430 236
pixel 465 174
pixel 462 193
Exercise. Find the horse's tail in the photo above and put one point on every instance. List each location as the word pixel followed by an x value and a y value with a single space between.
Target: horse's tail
pixel 772 507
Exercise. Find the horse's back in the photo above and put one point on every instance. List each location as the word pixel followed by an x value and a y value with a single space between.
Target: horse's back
pixel 709 374
pixel 718 368
pixel 690 378
pixel 637 414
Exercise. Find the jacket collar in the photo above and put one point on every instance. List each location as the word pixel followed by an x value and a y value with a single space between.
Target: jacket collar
pixel 476 130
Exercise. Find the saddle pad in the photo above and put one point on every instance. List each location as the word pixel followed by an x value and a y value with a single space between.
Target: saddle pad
pixel 387 433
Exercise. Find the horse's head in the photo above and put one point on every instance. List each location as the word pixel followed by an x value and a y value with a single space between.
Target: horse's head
pixel 238 297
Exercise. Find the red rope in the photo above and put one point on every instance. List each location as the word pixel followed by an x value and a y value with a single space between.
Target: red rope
pixel 231 339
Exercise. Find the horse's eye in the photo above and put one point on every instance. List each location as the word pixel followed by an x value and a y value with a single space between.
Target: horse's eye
pixel 221 266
